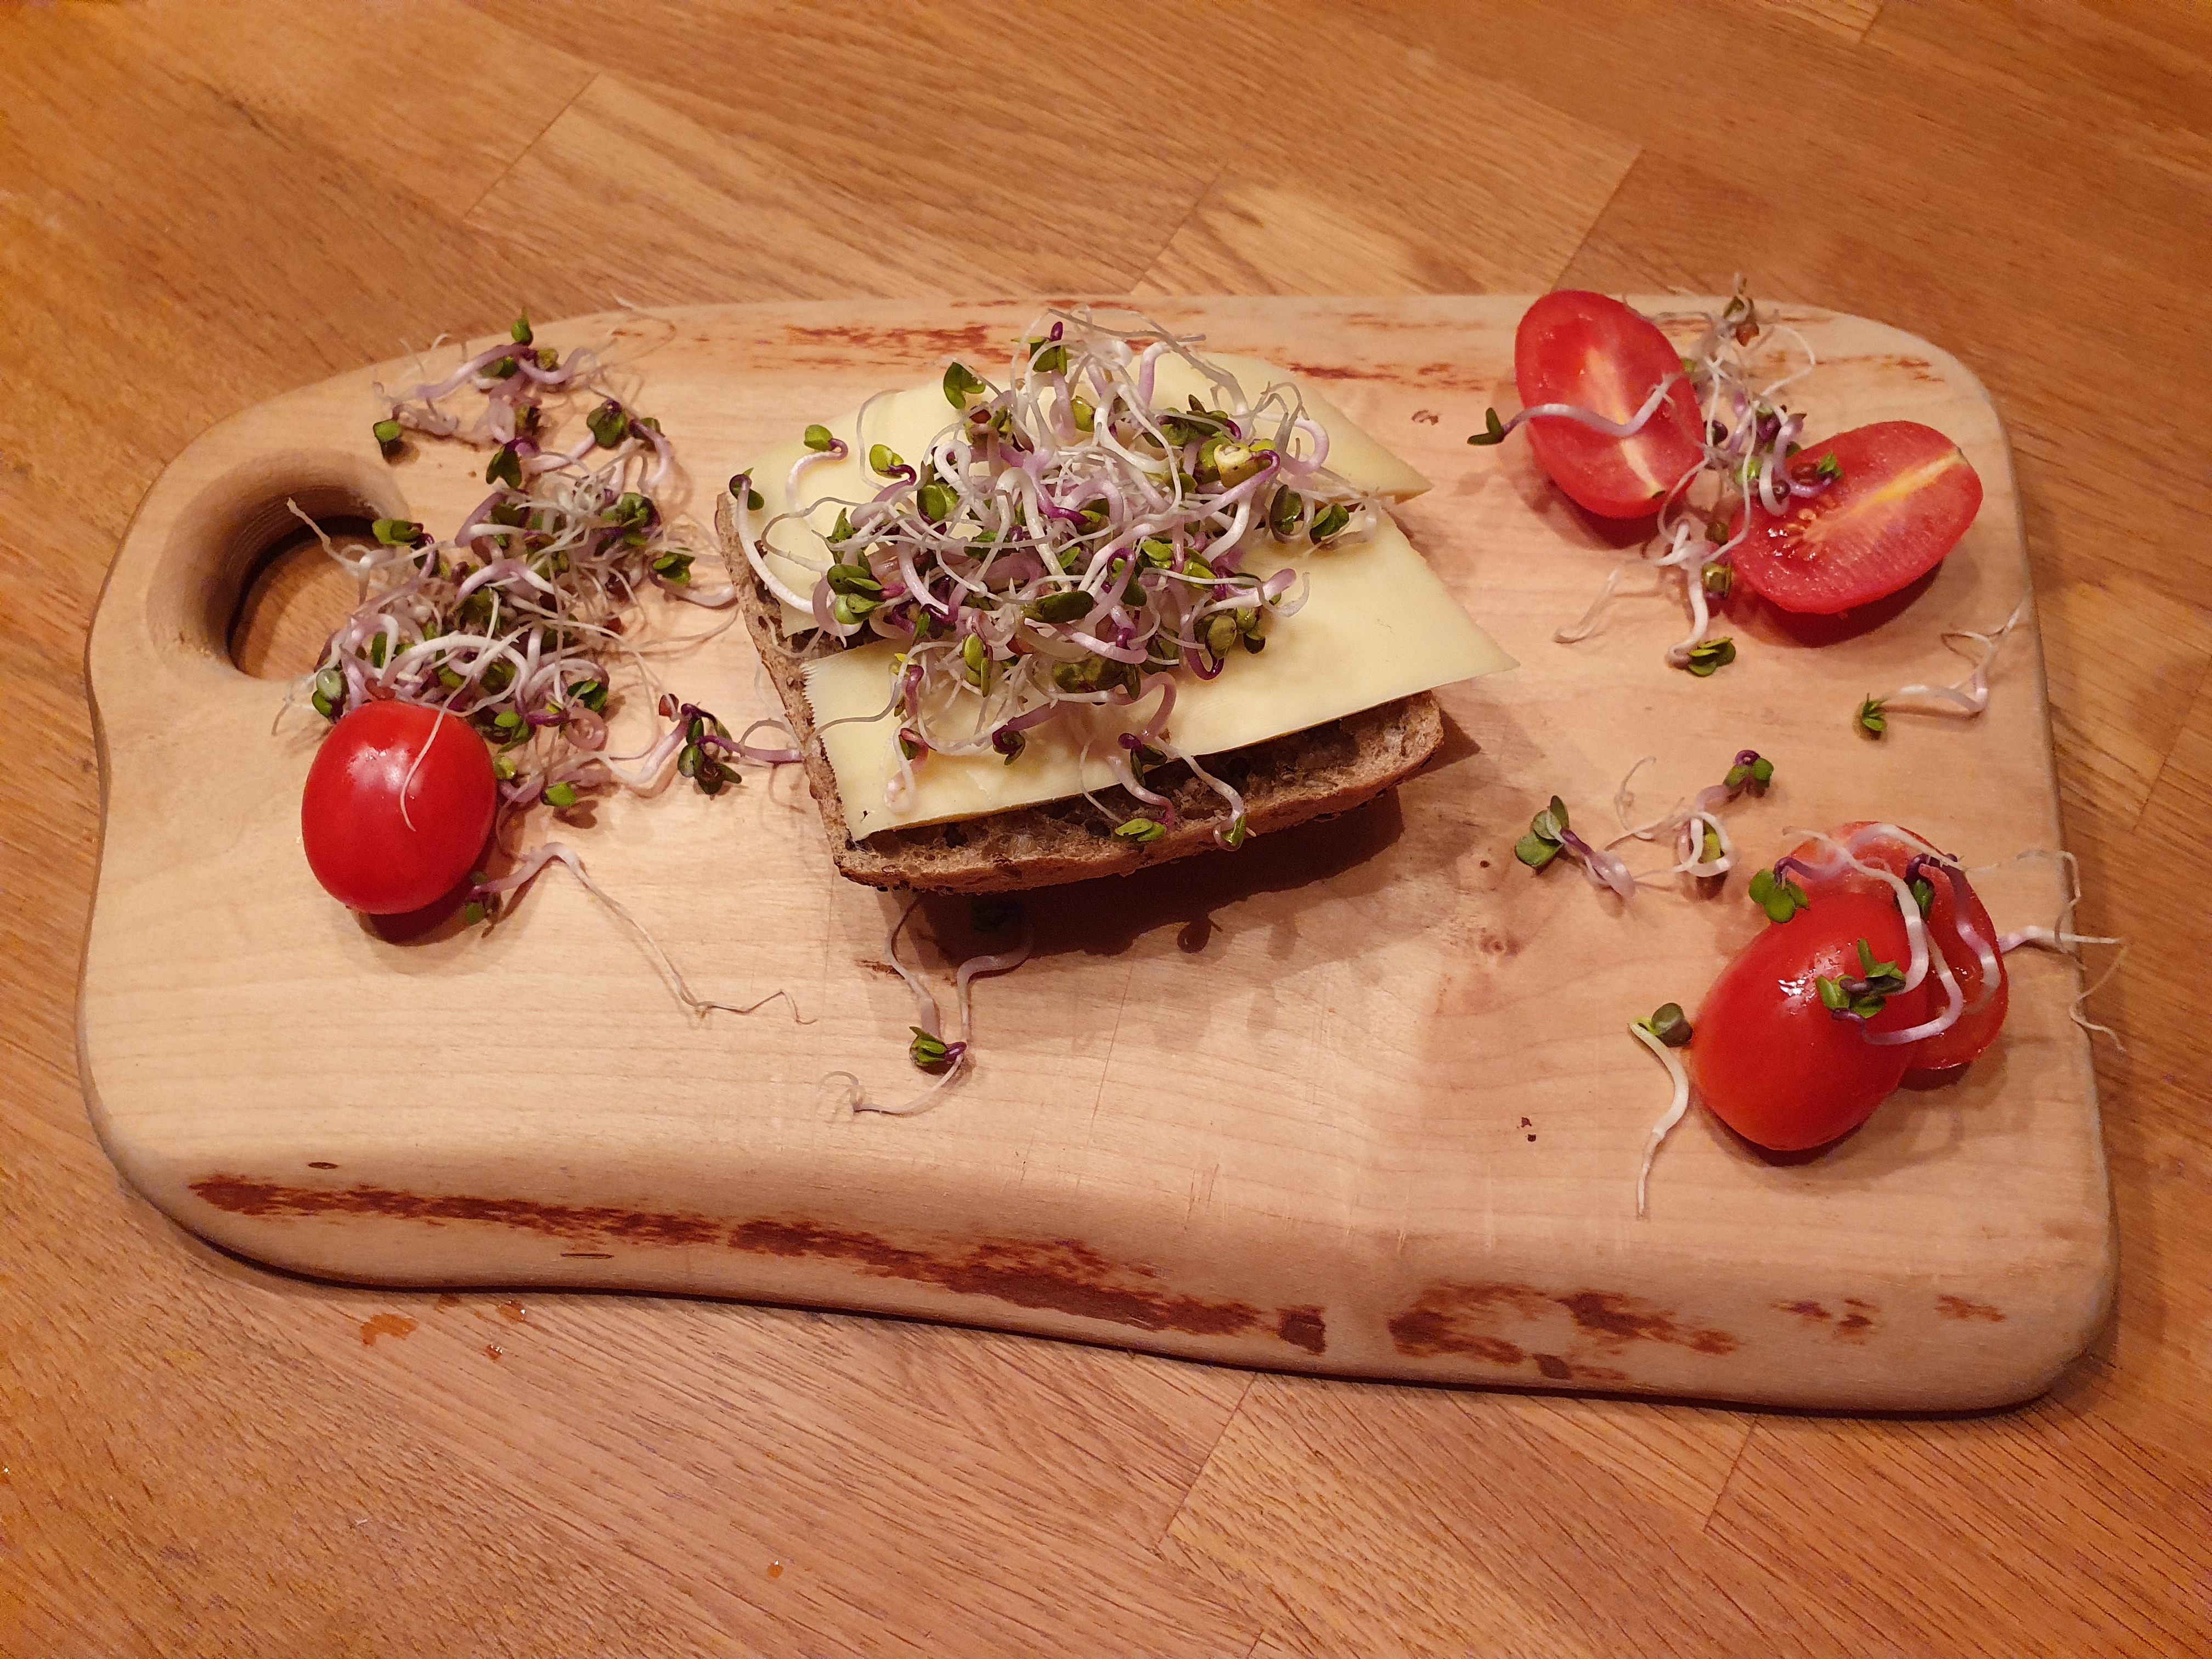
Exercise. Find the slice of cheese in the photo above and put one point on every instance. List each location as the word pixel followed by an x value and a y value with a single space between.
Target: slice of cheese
pixel 1378 625
pixel 906 422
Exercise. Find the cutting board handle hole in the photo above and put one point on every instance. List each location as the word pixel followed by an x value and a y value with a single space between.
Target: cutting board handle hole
pixel 294 595
pixel 244 580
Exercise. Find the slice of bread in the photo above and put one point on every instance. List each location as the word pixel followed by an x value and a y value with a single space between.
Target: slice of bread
pixel 1315 774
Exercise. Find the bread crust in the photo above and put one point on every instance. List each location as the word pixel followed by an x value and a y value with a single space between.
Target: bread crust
pixel 1315 774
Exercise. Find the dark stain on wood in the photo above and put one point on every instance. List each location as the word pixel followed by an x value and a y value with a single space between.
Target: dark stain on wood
pixel 1303 1327
pixel 318 1163
pixel 241 1195
pixel 1424 1332
pixel 1957 1307
pixel 1857 1322
pixel 915 342
pixel 1064 1275
pixel 1328 372
pixel 1615 1320
pixel 399 1325
pixel 1463 1319
pixel 1918 368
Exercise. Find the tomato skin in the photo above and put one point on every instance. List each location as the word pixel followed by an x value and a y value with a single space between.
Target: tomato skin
pixel 1906 494
pixel 1972 1033
pixel 1590 350
pixel 359 844
pixel 1768 1057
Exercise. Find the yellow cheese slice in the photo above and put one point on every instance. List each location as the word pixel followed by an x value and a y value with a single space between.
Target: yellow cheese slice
pixel 907 421
pixel 1378 625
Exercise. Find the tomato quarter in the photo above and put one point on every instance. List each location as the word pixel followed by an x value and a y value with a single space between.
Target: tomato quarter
pixel 1593 352
pixel 1770 1060
pixel 1905 497
pixel 364 850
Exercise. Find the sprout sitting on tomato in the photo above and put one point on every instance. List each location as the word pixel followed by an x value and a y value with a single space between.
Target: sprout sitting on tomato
pixel 1878 959
pixel 1629 429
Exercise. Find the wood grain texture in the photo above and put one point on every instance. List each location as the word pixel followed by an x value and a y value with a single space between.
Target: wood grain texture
pixel 203 207
pixel 1360 1102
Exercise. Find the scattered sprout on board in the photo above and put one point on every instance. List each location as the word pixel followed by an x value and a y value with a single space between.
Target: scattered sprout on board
pixel 1665 1030
pixel 515 623
pixel 931 1050
pixel 1701 840
pixel 1966 699
pixel 2061 937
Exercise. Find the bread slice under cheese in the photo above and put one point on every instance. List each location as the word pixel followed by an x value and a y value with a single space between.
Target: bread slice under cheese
pixel 1332 712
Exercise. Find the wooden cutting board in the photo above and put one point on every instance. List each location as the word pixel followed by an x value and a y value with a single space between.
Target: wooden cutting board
pixel 1357 1100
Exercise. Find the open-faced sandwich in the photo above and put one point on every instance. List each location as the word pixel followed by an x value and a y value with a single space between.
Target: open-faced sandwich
pixel 1133 603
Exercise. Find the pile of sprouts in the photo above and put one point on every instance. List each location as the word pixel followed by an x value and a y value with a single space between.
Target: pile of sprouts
pixel 514 623
pixel 1061 544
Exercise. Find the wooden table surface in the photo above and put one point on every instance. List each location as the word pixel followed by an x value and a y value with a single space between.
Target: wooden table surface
pixel 202 206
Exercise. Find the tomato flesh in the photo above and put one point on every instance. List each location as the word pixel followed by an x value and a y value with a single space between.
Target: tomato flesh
pixel 1905 495
pixel 1949 922
pixel 1592 351
pixel 1770 1058
pixel 368 853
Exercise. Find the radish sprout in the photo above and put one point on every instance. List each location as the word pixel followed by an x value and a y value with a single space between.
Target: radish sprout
pixel 484 898
pixel 516 624
pixel 1549 834
pixel 1969 697
pixel 929 1051
pixel 1701 839
pixel 1062 543
pixel 1664 1031
pixel 1862 998
pixel 2061 937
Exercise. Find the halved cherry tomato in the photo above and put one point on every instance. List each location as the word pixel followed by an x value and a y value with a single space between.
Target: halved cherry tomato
pixel 366 853
pixel 1770 1060
pixel 1960 931
pixel 1593 352
pixel 1904 497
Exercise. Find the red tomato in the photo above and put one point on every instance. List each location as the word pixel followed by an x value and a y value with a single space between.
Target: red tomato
pixel 359 844
pixel 1595 353
pixel 1906 497
pixel 1768 1058
pixel 1977 1027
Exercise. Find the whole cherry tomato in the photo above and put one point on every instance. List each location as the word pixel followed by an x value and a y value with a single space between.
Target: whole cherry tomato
pixel 366 850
